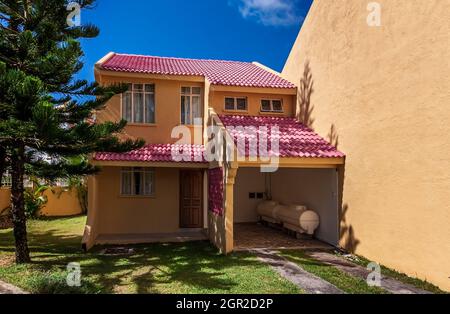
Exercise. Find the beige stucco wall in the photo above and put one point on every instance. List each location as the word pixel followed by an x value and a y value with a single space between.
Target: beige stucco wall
pixel 248 180
pixel 137 215
pixel 386 92
pixel 60 202
pixel 167 114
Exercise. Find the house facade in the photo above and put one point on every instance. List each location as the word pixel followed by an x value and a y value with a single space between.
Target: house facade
pixel 180 187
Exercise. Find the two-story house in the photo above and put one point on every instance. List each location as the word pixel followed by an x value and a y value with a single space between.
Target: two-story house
pixel 149 195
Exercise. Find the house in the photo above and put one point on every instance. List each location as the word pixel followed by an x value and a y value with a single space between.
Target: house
pixel 171 189
pixel 382 93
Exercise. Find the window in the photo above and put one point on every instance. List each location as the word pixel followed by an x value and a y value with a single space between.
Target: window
pixel 137 181
pixel 138 103
pixel 236 103
pixel 191 105
pixel 271 105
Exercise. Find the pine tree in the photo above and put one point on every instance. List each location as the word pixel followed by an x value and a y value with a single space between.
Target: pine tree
pixel 45 114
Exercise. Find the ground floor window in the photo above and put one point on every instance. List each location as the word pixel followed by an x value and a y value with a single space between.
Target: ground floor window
pixel 137 181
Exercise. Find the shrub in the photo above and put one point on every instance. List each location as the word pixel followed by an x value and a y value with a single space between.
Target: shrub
pixel 35 199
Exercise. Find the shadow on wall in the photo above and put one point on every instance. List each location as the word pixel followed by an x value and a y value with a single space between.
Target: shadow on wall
pixel 347 240
pixel 304 106
pixel 333 136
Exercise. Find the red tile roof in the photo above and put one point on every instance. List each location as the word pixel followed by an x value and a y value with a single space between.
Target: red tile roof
pixel 296 140
pixel 218 72
pixel 157 153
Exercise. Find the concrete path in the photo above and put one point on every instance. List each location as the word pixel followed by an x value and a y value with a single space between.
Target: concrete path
pixel 295 274
pixel 387 283
pixel 6 288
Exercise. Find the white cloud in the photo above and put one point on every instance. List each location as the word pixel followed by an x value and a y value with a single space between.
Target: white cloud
pixel 270 12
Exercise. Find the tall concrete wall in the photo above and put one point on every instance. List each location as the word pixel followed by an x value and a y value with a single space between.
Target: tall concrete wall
pixel 383 94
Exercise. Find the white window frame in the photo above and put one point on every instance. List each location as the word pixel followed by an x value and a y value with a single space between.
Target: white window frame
pixel 271 105
pixel 235 108
pixel 133 170
pixel 144 93
pixel 190 95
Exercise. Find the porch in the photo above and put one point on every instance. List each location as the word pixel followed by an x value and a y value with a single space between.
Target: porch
pixel 172 237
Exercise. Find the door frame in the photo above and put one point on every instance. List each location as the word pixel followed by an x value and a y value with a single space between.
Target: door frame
pixel 180 206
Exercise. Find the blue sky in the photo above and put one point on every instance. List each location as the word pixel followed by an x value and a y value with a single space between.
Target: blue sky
pixel 245 30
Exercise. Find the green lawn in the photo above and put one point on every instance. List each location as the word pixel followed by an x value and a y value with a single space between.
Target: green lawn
pixel 341 280
pixel 418 283
pixel 171 268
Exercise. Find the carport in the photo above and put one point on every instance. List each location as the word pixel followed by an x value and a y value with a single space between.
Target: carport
pixel 315 188
pixel 308 171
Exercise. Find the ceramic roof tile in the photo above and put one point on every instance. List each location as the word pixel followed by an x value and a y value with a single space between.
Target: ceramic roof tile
pixel 157 153
pixel 218 72
pixel 295 139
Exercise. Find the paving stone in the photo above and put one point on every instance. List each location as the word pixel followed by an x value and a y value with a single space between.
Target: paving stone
pixel 6 288
pixel 295 274
pixel 387 283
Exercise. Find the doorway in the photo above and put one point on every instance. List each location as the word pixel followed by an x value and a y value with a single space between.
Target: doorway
pixel 191 199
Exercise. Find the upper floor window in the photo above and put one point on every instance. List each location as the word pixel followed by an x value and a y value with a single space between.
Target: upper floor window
pixel 271 105
pixel 137 181
pixel 138 103
pixel 236 103
pixel 191 107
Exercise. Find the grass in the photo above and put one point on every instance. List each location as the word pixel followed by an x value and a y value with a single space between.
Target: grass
pixel 341 280
pixel 385 271
pixel 157 268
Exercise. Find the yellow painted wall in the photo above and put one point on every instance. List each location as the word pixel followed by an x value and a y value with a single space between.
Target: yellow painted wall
pixel 167 115
pixel 60 202
pixel 253 103
pixel 384 94
pixel 137 215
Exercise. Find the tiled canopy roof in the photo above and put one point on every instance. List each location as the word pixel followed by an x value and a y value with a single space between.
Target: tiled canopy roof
pixel 157 153
pixel 296 140
pixel 231 73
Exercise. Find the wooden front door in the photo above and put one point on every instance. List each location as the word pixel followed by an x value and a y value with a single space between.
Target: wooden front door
pixel 191 196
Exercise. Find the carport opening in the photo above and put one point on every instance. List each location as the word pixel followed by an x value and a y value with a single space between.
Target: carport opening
pixel 315 188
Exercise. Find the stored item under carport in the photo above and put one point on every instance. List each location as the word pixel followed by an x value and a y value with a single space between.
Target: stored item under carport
pixel 299 219
pixel 296 218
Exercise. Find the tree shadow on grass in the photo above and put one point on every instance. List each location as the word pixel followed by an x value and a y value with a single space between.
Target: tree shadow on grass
pixel 153 268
